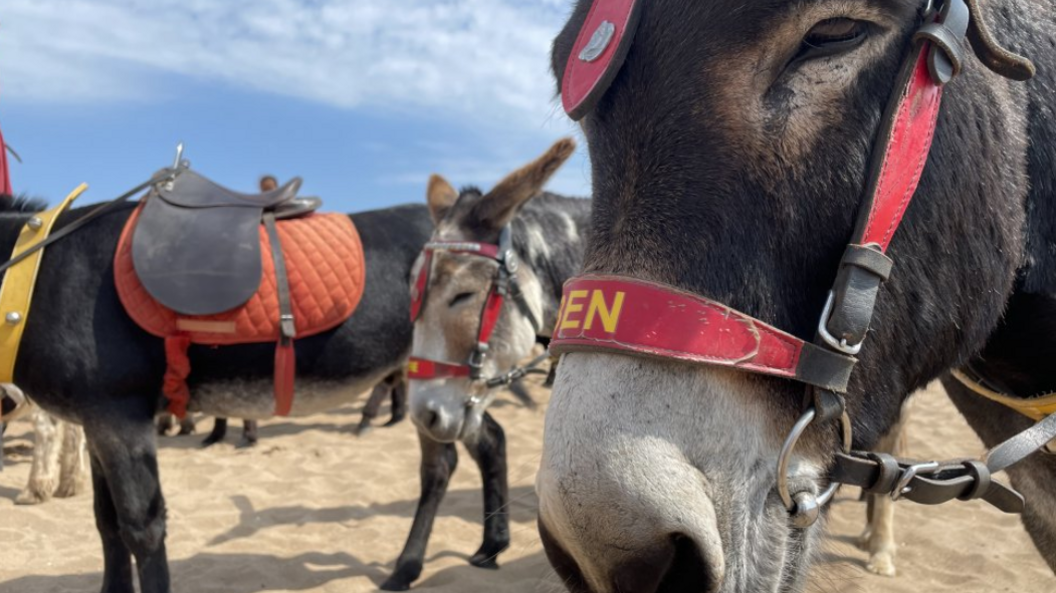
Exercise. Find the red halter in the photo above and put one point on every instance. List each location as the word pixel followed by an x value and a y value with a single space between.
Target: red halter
pixel 504 284
pixel 662 321
pixel 636 317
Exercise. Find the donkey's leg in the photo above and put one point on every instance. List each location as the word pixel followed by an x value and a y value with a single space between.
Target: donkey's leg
pixel 73 462
pixel 399 398
pixel 44 473
pixel 117 560
pixel 373 406
pixel 249 434
pixel 879 536
pixel 438 463
pixel 218 433
pixel 130 508
pixel 489 451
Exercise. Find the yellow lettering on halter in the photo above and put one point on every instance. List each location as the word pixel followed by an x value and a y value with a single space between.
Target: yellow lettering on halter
pixel 412 366
pixel 609 316
pixel 571 306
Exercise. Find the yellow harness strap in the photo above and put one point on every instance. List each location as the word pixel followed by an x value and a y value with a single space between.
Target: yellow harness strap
pixel 1035 408
pixel 16 291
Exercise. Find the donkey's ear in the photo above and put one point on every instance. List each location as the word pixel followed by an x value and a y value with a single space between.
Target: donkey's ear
pixel 441 196
pixel 501 204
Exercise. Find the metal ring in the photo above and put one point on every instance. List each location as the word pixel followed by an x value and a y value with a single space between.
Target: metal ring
pixel 786 455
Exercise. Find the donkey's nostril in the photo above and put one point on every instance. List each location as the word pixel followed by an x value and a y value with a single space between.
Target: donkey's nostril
pixel 430 418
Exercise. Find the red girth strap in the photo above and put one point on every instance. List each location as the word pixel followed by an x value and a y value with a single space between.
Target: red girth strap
pixel 611 313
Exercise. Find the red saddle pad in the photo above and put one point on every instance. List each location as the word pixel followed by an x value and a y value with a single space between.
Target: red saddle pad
pixel 326 269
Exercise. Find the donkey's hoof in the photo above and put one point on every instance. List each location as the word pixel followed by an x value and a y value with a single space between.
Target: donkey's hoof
pixel 489 562
pixel 487 558
pixel 31 496
pixel 882 563
pixel 246 443
pixel 399 581
pixel 863 540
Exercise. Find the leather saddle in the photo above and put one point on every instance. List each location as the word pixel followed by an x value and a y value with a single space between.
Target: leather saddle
pixel 196 246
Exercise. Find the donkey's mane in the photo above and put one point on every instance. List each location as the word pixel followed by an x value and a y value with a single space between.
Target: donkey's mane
pixel 21 204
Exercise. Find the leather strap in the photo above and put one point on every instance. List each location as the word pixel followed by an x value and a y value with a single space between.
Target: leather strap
pixel 625 315
pixel 946 34
pixel 995 57
pixel 20 279
pixel 285 357
pixel 598 54
pixel 951 480
pixel 1035 408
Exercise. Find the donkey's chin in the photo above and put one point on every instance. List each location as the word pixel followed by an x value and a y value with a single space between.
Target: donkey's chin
pixel 439 410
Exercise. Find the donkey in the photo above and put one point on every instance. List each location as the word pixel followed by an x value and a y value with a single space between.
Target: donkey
pixel 85 361
pixel 542 245
pixel 730 154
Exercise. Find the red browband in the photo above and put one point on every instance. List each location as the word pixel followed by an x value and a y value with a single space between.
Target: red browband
pixel 616 314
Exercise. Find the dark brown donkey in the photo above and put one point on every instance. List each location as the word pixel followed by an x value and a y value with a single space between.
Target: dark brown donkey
pixel 731 152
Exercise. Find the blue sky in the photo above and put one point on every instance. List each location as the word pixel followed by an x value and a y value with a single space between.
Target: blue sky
pixel 362 98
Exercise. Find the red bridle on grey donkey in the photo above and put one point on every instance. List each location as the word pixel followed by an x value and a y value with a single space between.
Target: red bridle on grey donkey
pixel 657 320
pixel 504 284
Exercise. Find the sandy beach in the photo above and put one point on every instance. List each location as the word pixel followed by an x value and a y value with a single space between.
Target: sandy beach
pixel 314 509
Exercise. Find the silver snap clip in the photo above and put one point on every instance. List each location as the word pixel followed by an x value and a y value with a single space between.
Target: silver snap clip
pixel 13 318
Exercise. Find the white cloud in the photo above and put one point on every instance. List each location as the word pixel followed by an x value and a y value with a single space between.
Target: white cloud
pixel 481 65
pixel 487 59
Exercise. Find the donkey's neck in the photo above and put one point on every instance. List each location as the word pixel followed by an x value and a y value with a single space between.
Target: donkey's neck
pixel 549 235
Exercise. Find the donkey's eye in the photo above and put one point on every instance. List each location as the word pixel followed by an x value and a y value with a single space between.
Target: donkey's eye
pixel 460 298
pixel 831 37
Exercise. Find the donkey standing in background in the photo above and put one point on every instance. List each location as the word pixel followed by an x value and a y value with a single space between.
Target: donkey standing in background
pixel 456 283
pixel 60 459
pixel 84 359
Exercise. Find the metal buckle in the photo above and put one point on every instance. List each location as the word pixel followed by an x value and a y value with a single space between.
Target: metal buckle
pixel 902 487
pixel 839 345
pixel 804 506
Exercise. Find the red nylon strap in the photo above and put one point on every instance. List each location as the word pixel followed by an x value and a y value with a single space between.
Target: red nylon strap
pixel 177 369
pixel 5 173
pixel 608 29
pixel 489 317
pixel 905 154
pixel 634 316
pixel 285 372
pixel 421 283
pixel 421 368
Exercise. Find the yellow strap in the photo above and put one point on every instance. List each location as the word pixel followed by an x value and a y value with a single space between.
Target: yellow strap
pixel 16 291
pixel 1036 408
